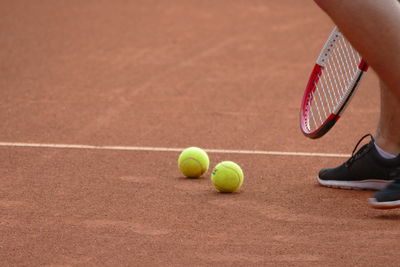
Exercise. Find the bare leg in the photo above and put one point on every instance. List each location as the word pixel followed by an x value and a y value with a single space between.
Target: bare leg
pixel 388 131
pixel 373 28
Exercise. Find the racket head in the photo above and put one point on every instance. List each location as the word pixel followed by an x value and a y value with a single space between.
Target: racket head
pixel 332 83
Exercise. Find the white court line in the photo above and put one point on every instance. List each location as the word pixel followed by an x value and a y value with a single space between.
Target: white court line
pixel 164 149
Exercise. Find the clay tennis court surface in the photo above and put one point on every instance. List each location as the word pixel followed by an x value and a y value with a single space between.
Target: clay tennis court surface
pixel 154 75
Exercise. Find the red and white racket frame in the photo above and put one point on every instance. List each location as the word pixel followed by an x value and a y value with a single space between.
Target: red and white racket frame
pixel 312 84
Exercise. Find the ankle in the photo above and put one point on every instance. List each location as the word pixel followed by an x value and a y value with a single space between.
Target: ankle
pixel 387 145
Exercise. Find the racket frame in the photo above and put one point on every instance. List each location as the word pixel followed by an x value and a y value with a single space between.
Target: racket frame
pixel 312 85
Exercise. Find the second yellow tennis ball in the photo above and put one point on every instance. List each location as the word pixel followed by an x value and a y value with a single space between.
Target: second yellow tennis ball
pixel 227 177
pixel 193 162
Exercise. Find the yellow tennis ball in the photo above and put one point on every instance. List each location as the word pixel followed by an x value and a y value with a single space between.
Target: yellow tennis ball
pixel 193 162
pixel 227 177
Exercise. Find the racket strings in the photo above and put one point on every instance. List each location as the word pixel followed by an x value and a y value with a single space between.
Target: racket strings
pixel 334 81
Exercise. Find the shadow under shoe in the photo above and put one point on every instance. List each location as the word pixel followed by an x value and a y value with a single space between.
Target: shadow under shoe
pixel 366 169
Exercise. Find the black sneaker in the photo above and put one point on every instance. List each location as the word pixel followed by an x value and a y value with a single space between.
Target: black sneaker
pixel 389 197
pixel 365 169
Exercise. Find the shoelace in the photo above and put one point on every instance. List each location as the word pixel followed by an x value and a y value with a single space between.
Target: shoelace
pixel 360 153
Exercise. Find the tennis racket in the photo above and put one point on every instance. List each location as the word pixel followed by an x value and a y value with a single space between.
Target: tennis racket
pixel 333 81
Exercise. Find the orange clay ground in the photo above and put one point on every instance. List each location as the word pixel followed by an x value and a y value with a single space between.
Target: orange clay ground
pixel 216 74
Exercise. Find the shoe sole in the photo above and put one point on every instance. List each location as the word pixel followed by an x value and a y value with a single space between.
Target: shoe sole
pixel 355 185
pixel 384 205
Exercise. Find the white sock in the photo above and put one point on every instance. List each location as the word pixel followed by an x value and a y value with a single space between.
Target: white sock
pixel 383 153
